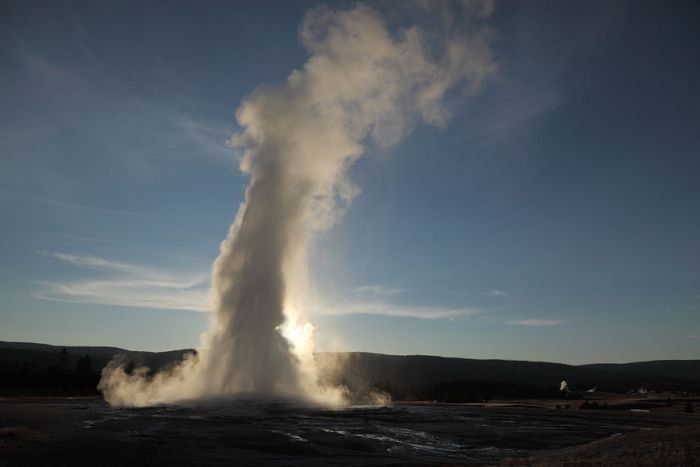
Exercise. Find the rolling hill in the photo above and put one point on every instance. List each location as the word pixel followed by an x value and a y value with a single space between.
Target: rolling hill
pixel 404 376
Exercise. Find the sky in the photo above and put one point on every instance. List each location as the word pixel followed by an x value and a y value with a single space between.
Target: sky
pixel 554 218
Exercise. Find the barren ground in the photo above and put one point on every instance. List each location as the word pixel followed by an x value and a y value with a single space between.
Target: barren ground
pixel 86 431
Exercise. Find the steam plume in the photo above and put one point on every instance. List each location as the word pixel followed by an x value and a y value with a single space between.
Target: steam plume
pixel 361 84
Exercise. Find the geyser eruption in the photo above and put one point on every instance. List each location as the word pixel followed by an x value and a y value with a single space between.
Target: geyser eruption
pixel 361 84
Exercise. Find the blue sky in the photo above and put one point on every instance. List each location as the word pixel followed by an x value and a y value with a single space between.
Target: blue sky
pixel 554 218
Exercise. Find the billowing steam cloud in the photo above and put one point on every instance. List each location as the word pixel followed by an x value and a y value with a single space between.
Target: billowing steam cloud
pixel 361 84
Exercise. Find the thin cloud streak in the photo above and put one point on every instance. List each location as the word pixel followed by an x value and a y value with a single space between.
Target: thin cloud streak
pixel 134 294
pixel 127 285
pixel 496 293
pixel 87 261
pixel 74 205
pixel 210 137
pixel 375 289
pixel 394 310
pixel 536 322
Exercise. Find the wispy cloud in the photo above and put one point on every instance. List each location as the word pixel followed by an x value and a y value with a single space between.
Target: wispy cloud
pixel 44 68
pixel 380 300
pixel 496 293
pixel 210 136
pixel 395 310
pixel 128 285
pixel 375 289
pixel 78 239
pixel 93 262
pixel 65 204
pixel 536 322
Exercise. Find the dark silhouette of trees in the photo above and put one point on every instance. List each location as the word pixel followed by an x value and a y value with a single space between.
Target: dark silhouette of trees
pixel 84 365
pixel 51 378
pixel 63 358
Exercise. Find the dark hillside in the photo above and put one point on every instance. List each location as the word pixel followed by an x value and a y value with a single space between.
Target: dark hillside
pixel 425 377
pixel 28 368
pixel 41 369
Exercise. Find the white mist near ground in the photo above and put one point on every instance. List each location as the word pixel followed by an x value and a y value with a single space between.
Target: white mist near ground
pixel 361 85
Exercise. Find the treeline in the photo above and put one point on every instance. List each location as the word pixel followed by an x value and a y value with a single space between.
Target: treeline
pixel 29 378
pixel 27 368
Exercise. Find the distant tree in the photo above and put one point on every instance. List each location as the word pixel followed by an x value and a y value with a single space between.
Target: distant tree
pixel 63 358
pixel 84 365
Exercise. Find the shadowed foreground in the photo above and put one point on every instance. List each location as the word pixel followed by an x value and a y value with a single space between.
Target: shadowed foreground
pixel 86 431
pixel 655 447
